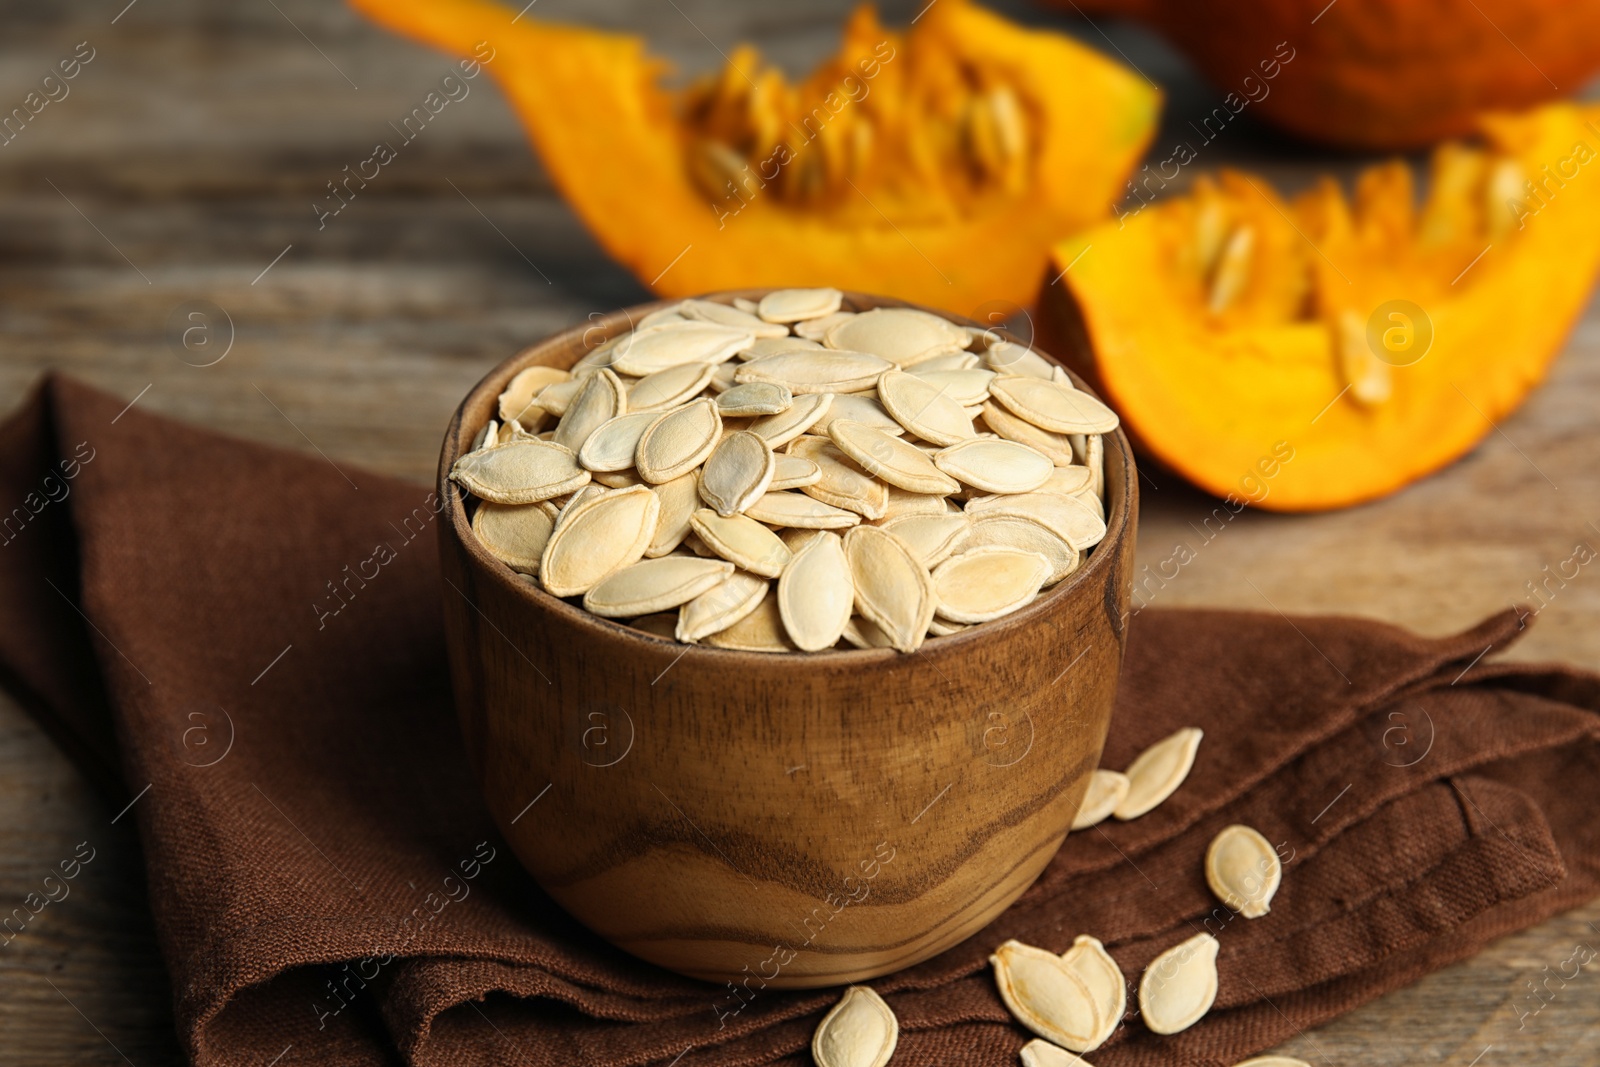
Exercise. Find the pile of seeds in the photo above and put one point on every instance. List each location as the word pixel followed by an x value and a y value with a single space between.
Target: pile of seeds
pixel 1076 1000
pixel 784 475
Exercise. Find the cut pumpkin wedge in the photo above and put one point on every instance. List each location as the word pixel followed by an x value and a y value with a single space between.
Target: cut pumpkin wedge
pixel 935 166
pixel 1316 354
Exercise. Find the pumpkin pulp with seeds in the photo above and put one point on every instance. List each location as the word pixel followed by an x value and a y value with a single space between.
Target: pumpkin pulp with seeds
pixel 1324 352
pixel 934 165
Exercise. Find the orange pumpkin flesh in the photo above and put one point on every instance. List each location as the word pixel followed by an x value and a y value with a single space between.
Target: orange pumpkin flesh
pixel 1223 363
pixel 1381 73
pixel 936 166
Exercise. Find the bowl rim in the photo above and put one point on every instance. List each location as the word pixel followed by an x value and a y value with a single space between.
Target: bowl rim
pixel 457 441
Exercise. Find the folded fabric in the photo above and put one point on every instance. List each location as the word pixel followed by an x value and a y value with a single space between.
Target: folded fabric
pixel 246 644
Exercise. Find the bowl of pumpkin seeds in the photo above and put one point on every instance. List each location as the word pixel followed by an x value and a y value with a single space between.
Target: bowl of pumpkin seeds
pixel 734 577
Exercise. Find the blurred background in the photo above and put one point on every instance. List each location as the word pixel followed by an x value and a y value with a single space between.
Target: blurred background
pixel 179 173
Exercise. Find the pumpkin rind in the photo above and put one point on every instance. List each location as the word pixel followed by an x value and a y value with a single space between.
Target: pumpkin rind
pixel 1251 402
pixel 617 147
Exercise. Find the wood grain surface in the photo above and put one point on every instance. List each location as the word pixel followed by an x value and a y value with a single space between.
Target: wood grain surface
pixel 187 158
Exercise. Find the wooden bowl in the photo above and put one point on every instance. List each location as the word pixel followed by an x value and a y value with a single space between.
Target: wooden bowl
pixel 777 820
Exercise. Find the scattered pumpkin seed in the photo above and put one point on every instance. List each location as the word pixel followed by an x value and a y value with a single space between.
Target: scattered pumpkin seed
pixel 859 1031
pixel 1158 771
pixel 1243 870
pixel 1046 995
pixel 1180 985
pixel 1089 960
pixel 1106 790
pixel 1041 1053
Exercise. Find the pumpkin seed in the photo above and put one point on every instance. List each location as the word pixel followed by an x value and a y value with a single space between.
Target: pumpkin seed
pixel 1180 985
pixel 1101 976
pixel 490 434
pixel 737 472
pixel 1232 271
pixel 1010 358
pixel 931 538
pixel 1369 379
pixel 1275 1061
pixel 815 594
pixel 902 503
pixel 668 344
pixel 618 479
pixel 1041 1053
pixel 720 606
pixel 795 538
pixel 840 481
pixel 799 510
pixel 899 335
pixel 722 378
pixel 522 472
pixel 820 371
pixel 678 442
pixel 569 506
pixel 771 346
pixel 724 315
pixel 603 399
pixel 759 631
pixel 995 466
pixel 816 329
pixel 558 396
pixel 654 585
pixel 1066 481
pixel 964 387
pixel 612 445
pixel 860 633
pixel 679 499
pixel 985 583
pixel 924 409
pixel 600 536
pixel 1158 771
pixel 1052 406
pixel 1095 460
pixel 670 313
pixel 743 541
pixel 959 360
pixel 1027 535
pixel 515 534
pixel 778 430
pixel 893 590
pixel 797 305
pixel 858 408
pixel 1243 870
pixel 671 387
pixel 745 305
pixel 794 472
pixel 1045 995
pixel 944 627
pixel 1067 517
pixel 755 398
pixel 891 459
pixel 1008 426
pixel 1106 790
pixel 859 1031
pixel 517 397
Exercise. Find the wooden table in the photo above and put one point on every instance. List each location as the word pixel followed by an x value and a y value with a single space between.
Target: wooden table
pixel 184 165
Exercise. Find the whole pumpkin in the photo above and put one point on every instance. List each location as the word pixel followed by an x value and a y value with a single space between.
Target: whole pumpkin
pixel 1380 73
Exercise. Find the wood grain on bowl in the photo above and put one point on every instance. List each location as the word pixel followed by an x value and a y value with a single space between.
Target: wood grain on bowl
pixel 780 820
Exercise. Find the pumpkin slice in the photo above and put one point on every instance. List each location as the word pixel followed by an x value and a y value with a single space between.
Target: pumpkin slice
pixel 1315 355
pixel 934 165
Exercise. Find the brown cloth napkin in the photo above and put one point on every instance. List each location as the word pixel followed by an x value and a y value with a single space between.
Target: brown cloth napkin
pixel 327 886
